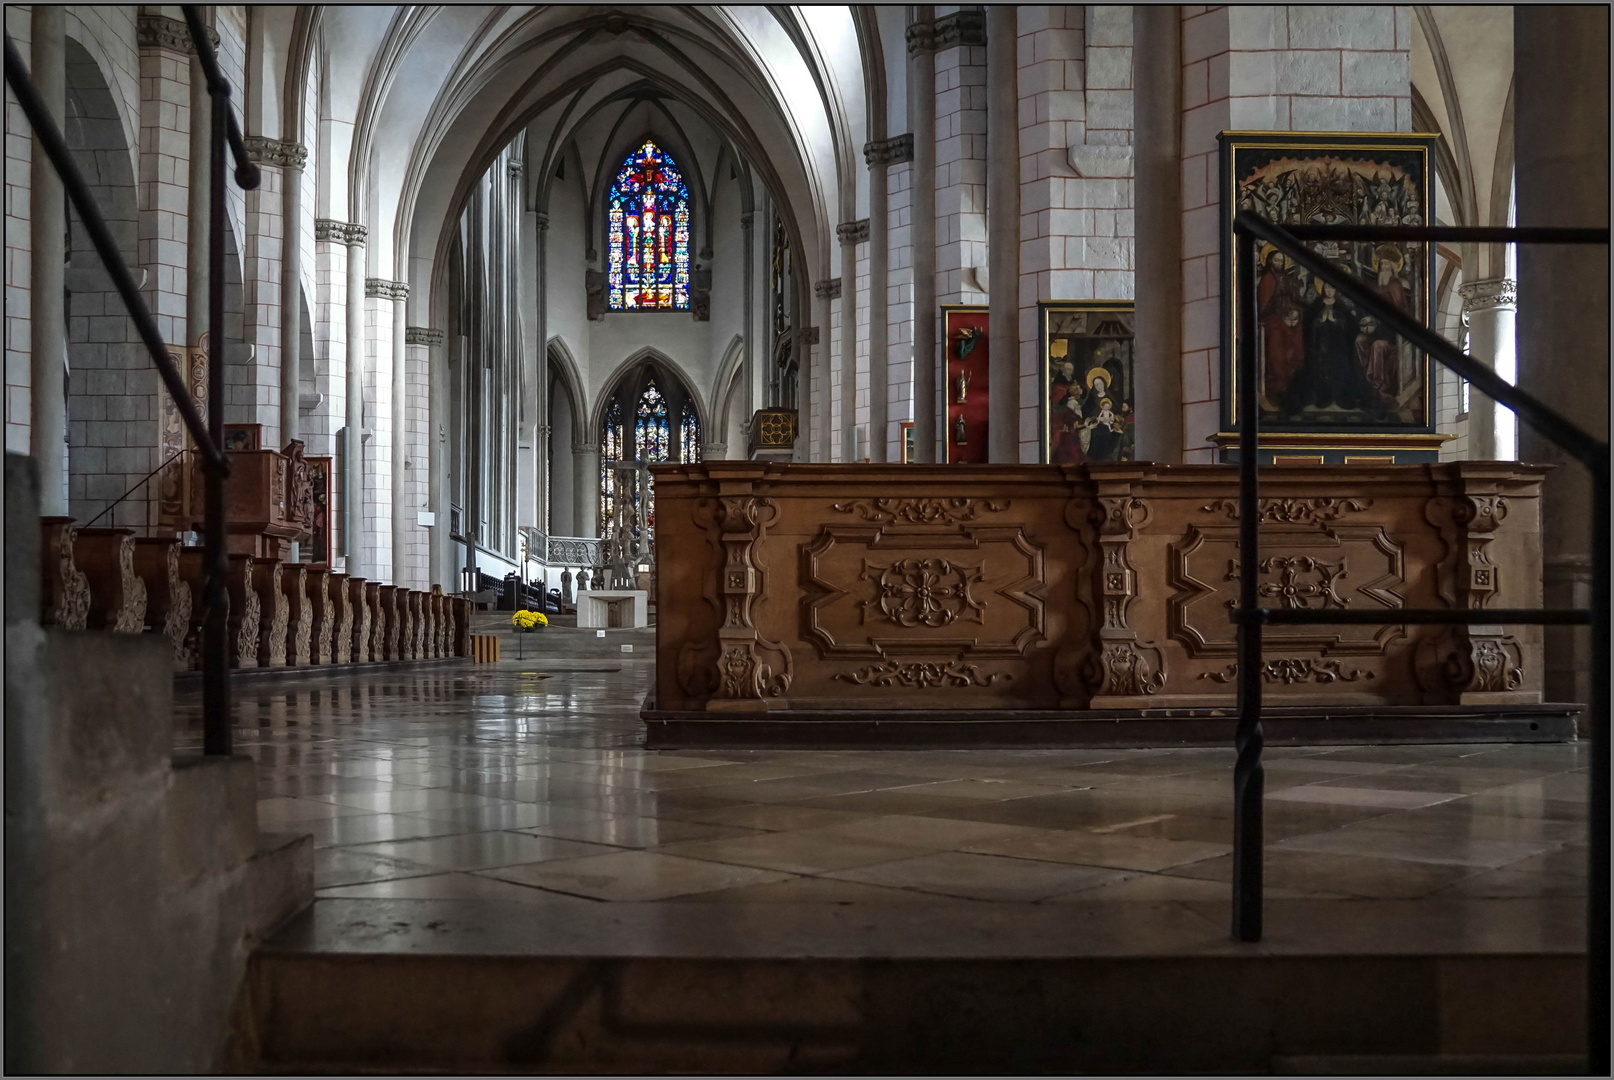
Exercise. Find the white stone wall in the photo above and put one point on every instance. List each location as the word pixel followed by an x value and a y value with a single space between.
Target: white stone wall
pixel 258 395
pixel 899 304
pixel 330 344
pixel 861 391
pixel 377 539
pixel 417 420
pixel 19 248
pixel 960 175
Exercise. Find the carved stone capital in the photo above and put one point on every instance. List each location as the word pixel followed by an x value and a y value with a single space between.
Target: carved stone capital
pixel 828 289
pixel 807 335
pixel 892 151
pixel 962 27
pixel 921 37
pixel 161 32
pixel 1489 294
pixel 853 232
pixel 286 155
pixel 423 335
pixel 515 168
pixel 381 289
pixel 339 232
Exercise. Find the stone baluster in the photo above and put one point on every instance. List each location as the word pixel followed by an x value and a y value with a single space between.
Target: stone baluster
pixel 359 597
pixel 65 595
pixel 168 597
pixel 339 615
pixel 245 612
pixel 377 647
pixel 193 572
pixel 320 608
pixel 299 614
pixel 387 630
pixel 117 595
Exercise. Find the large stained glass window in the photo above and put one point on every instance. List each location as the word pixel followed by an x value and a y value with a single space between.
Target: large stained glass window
pixel 611 443
pixel 648 242
pixel 650 426
pixel 689 437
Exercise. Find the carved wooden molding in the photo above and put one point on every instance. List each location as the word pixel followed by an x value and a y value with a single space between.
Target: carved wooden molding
pixel 376 644
pixel 1476 659
pixel 246 613
pixel 299 615
pixel 341 597
pixel 1294 669
pixel 168 597
pixel 925 676
pixel 928 592
pixel 117 594
pixel 1295 511
pixel 921 511
pixel 1120 666
pixel 275 612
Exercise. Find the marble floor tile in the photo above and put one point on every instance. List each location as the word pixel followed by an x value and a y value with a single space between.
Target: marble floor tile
pixel 478 850
pixel 1415 847
pixel 1117 851
pixel 412 800
pixel 805 852
pixel 1385 798
pixel 340 866
pixel 456 886
pixel 811 890
pixel 771 817
pixel 636 832
pixel 371 828
pixel 1343 875
pixel 936 834
pixel 1509 883
pixel 634 876
pixel 280 813
pixel 982 877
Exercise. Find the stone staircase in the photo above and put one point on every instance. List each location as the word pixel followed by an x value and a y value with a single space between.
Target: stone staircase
pixel 137 882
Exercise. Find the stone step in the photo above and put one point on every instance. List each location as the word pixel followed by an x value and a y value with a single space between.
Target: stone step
pixel 280 881
pixel 708 988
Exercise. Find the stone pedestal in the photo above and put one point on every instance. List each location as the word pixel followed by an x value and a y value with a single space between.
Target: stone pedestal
pixel 613 609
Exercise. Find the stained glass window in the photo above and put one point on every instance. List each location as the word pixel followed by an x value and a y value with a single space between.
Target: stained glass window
pixel 648 245
pixel 610 451
pixel 689 438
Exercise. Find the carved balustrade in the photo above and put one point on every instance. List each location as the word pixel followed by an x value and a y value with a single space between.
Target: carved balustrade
pixel 359 597
pixel 1104 587
pixel 319 605
pixel 274 611
pixel 299 614
pixel 193 572
pixel 375 646
pixel 339 596
pixel 245 612
pixel 64 597
pixel 168 597
pixel 387 636
pixel 117 595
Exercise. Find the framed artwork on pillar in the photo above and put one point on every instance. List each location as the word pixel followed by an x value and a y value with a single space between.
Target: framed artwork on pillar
pixel 1332 379
pixel 316 551
pixel 966 353
pixel 243 436
pixel 1087 352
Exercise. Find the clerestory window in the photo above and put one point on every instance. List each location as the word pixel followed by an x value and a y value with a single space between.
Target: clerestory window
pixel 648 237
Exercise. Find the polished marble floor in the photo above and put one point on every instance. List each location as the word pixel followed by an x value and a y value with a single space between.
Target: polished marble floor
pixel 527 782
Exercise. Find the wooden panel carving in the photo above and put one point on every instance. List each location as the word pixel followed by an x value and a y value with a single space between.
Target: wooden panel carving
pixel 340 592
pixel 117 595
pixel 359 595
pixel 387 631
pixel 65 591
pixel 1104 586
pixel 245 613
pixel 322 632
pixel 299 614
pixel 168 597
pixel 274 613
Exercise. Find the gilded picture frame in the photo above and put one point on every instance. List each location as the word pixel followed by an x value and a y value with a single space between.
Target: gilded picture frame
pixel 1086 381
pixel 1326 370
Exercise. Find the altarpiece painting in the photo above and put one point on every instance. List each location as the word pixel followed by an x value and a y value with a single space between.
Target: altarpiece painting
pixel 1327 369
pixel 1087 382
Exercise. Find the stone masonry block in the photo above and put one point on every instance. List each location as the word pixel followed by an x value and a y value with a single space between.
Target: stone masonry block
pixel 1308 72
pixel 1377 74
pixel 1330 26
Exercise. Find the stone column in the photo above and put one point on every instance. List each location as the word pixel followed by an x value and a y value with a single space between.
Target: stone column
pixel 294 157
pixel 922 216
pixel 825 292
pixel 1157 98
pixel 879 226
pixel 47 310
pixel 847 234
pixel 748 241
pixel 1490 307
pixel 586 488
pixel 353 468
pixel 1561 161
pixel 540 389
pixel 400 432
pixel 1003 231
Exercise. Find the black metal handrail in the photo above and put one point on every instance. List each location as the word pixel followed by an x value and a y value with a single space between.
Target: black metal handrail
pixel 209 435
pixel 1249 616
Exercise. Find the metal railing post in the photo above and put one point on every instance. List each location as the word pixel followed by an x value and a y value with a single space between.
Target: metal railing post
pixel 1598 718
pixel 1247 774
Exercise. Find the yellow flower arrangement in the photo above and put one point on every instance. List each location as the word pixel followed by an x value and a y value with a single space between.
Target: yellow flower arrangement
pixel 528 620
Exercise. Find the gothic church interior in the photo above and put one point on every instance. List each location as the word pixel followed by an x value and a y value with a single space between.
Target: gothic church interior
pixel 855 391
